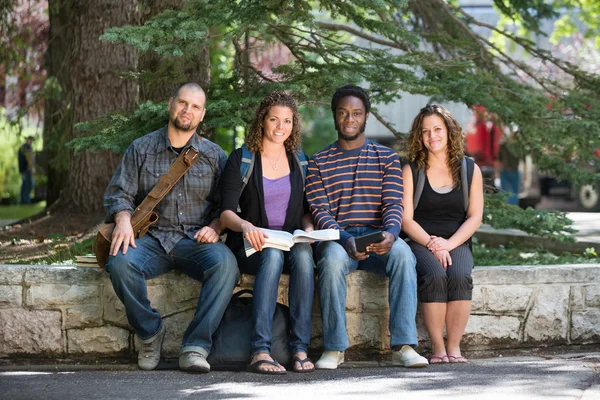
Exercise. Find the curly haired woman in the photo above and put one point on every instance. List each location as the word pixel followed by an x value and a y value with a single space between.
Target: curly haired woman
pixel 440 228
pixel 274 199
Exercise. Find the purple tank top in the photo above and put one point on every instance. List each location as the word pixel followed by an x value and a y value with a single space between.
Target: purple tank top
pixel 277 197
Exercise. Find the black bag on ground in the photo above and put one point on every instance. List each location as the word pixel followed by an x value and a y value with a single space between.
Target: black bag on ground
pixel 231 340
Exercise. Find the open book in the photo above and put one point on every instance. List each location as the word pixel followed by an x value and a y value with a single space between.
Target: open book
pixel 283 240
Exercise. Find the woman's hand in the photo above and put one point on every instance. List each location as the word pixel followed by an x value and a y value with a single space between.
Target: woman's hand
pixel 253 235
pixel 443 256
pixel 437 243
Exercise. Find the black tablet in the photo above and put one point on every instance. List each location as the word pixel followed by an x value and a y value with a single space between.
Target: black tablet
pixel 363 241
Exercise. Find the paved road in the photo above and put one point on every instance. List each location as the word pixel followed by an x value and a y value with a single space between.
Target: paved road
pixel 566 377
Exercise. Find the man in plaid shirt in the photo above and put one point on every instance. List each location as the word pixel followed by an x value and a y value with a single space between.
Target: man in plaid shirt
pixel 186 235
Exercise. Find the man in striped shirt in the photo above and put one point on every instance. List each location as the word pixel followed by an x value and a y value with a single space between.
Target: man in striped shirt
pixel 355 185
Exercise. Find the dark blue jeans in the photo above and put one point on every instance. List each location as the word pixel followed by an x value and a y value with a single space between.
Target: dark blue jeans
pixel 26 187
pixel 212 264
pixel 268 265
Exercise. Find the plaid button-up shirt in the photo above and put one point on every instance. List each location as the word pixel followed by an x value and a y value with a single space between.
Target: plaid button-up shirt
pixel 191 204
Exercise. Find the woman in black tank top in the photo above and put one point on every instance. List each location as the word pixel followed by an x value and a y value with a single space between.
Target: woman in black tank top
pixel 440 227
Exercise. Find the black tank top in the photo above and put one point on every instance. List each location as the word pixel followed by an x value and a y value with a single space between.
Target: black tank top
pixel 440 214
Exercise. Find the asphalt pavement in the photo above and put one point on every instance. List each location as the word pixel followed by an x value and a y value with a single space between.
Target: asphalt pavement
pixel 574 376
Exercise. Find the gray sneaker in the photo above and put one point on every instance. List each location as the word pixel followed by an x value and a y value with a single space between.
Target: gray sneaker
pixel 194 362
pixel 149 350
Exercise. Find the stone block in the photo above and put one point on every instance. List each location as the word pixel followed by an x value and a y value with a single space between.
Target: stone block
pixel 364 330
pixel 585 326
pixel 30 332
pixel 547 321
pixel 592 295
pixel 83 316
pixel 478 300
pixel 577 301
pixel 364 279
pixel 508 298
pixel 485 330
pixel 537 274
pixel 11 296
pixel 105 340
pixel 176 325
pixel 316 332
pixel 113 310
pixel 64 274
pixel 52 295
pixel 173 298
pixel 12 274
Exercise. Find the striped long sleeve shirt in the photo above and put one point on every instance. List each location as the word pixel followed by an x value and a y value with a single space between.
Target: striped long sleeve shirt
pixel 359 187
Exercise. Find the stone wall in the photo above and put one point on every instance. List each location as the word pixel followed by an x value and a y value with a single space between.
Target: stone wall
pixel 61 310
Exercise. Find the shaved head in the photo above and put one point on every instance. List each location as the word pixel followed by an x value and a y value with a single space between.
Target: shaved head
pixel 191 86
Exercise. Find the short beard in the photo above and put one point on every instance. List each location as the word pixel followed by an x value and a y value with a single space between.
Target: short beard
pixel 349 138
pixel 186 128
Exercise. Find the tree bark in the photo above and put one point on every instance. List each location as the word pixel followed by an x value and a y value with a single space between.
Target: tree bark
pixel 94 88
pixel 168 74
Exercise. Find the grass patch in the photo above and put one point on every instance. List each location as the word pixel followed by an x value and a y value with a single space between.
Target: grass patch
pixel 21 212
pixel 515 255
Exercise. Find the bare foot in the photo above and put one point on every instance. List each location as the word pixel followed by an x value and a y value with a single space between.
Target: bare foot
pixel 266 367
pixel 307 365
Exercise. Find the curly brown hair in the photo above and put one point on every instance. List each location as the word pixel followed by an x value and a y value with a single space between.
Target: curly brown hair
pixel 418 153
pixel 254 136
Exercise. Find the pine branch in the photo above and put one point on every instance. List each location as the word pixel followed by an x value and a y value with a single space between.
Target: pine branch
pixel 374 39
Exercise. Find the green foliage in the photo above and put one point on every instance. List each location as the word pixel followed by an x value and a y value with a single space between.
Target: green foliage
pixel 428 47
pixel 484 255
pixel 20 212
pixel 544 223
pixel 578 13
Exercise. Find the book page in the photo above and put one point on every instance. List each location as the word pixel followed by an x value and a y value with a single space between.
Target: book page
pixel 281 240
pixel 301 236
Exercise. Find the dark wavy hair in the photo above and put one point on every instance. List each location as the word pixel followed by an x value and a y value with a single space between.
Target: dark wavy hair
pixel 350 90
pixel 254 135
pixel 418 153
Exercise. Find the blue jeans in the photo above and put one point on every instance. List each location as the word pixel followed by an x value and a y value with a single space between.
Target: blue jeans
pixel 212 264
pixel 26 187
pixel 511 182
pixel 268 265
pixel 333 264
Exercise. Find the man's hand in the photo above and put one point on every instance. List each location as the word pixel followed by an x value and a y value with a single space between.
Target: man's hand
pixel 350 247
pixel 122 234
pixel 384 246
pixel 253 235
pixel 443 256
pixel 206 235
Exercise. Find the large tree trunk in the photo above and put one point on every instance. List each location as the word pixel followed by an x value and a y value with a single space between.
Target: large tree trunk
pixel 95 88
pixel 57 112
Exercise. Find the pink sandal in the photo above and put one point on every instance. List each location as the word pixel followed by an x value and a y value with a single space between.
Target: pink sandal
pixel 433 359
pixel 457 359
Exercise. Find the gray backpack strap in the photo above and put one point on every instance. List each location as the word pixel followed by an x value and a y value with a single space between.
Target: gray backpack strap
pixel 464 182
pixel 246 166
pixel 418 185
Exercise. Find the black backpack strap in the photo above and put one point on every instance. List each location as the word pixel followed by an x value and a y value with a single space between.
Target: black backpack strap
pixel 418 183
pixel 466 173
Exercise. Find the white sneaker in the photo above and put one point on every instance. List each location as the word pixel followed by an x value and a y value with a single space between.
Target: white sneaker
pixel 194 362
pixel 330 360
pixel 409 358
pixel 149 350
